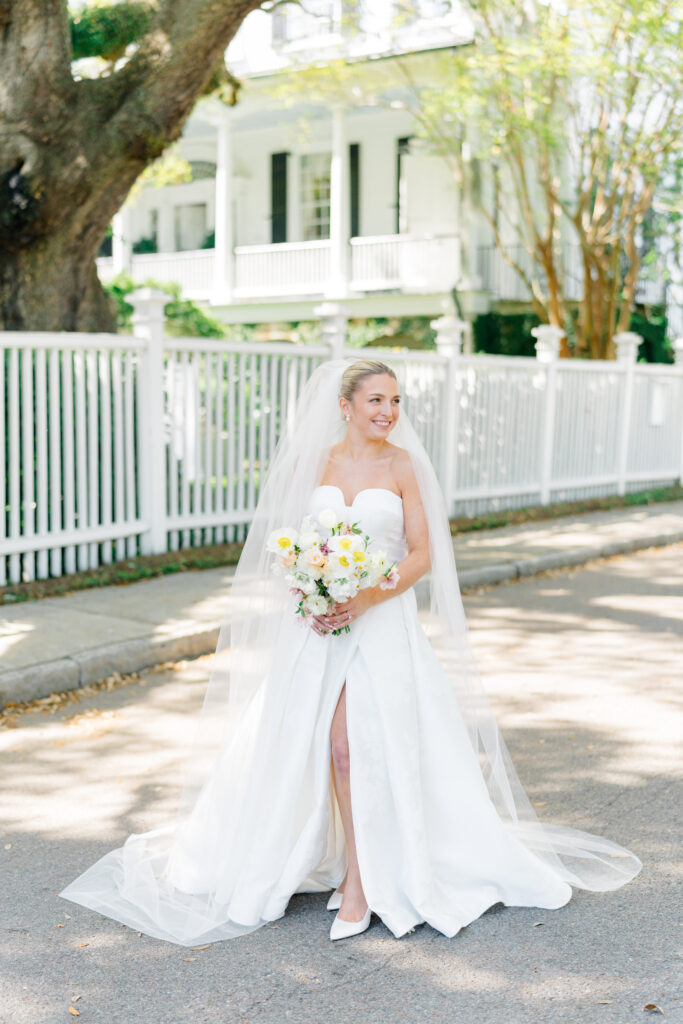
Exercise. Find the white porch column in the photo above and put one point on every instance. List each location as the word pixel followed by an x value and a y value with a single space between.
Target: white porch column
pixel 166 237
pixel 224 253
pixel 122 242
pixel 338 283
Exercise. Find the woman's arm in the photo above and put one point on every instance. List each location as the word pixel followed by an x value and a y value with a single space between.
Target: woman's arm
pixel 410 569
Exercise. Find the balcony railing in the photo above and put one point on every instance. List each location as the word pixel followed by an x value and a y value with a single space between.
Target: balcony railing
pixel 398 263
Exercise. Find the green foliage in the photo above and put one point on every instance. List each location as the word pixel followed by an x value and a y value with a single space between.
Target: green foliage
pixel 505 334
pixel 107 29
pixel 145 245
pixel 392 332
pixel 184 318
pixel 656 347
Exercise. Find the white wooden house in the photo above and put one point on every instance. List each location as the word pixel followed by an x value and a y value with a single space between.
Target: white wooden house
pixel 278 219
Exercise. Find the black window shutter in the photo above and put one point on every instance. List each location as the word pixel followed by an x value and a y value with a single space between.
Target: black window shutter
pixel 402 149
pixel 354 182
pixel 278 197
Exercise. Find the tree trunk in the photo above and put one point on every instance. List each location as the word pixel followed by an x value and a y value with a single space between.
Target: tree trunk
pixel 53 286
pixel 71 150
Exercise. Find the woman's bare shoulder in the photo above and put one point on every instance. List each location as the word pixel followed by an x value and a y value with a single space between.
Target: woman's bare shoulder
pixel 402 468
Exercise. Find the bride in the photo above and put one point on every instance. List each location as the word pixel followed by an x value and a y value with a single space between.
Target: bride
pixel 368 762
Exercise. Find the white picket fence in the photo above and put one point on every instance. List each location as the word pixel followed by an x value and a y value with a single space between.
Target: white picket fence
pixel 119 445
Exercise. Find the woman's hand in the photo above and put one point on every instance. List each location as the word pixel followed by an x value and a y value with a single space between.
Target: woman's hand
pixel 344 613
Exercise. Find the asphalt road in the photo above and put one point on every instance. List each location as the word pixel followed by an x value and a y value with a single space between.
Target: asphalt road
pixel 584 668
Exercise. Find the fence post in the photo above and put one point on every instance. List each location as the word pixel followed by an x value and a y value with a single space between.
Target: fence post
pixel 450 334
pixel 148 326
pixel 627 349
pixel 547 351
pixel 678 356
pixel 333 320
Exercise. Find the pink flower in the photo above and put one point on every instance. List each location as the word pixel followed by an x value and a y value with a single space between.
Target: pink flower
pixel 390 581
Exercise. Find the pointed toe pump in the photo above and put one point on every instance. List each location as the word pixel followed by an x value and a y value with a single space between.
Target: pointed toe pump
pixel 343 929
pixel 335 900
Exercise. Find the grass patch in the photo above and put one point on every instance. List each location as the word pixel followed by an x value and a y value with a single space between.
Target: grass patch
pixel 144 567
pixel 539 513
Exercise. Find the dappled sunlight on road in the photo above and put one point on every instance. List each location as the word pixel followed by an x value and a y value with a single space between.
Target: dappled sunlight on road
pixel 580 672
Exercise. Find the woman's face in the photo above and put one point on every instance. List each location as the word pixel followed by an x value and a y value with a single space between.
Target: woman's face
pixel 374 407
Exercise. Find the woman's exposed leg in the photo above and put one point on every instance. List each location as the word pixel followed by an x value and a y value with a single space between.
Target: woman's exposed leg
pixel 354 903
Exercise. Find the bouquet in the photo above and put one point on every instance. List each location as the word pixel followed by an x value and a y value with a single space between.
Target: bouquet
pixel 323 570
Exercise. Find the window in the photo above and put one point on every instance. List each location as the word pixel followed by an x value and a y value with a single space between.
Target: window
pixel 314 196
pixel 190 226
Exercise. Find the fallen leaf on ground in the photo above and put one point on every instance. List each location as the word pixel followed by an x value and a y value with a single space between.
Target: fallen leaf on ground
pixel 82 944
pixel 74 1012
pixel 189 959
pixel 8 846
pixel 653 1008
pixel 539 803
pixel 536 924
pixel 604 1000
pixel 201 947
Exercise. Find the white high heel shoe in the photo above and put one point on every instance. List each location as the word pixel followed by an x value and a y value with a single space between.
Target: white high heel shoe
pixel 335 900
pixel 343 929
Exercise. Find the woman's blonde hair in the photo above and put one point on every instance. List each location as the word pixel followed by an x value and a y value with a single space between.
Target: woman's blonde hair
pixel 356 373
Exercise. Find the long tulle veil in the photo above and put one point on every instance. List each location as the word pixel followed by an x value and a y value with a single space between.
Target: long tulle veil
pixel 247 646
pixel 143 883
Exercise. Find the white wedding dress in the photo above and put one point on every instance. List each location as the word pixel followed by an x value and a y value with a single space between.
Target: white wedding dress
pixel 431 845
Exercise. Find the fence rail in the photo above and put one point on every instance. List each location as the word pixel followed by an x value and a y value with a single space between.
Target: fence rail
pixel 118 445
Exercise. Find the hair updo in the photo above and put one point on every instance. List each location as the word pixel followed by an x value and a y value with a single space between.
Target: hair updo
pixel 356 373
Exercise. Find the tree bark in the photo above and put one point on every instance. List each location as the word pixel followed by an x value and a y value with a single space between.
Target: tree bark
pixel 71 150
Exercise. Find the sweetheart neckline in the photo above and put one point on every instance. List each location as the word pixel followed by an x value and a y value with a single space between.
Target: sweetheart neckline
pixel 363 490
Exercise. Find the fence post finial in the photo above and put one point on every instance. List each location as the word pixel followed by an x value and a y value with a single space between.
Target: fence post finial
pixel 450 334
pixel 627 346
pixel 548 339
pixel 333 320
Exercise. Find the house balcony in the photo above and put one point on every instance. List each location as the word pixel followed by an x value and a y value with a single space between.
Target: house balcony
pixel 385 263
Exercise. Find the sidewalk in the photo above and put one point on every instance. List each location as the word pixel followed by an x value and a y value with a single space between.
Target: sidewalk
pixel 61 643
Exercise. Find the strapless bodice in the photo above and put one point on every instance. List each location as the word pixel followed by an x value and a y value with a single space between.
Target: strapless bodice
pixel 378 512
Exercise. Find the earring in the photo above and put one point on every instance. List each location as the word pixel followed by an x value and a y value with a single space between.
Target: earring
pixel 347 418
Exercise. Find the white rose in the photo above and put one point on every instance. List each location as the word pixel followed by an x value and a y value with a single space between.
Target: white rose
pixel 315 604
pixel 328 518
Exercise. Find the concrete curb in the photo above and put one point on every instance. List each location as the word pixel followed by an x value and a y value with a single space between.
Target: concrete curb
pixel 91 666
